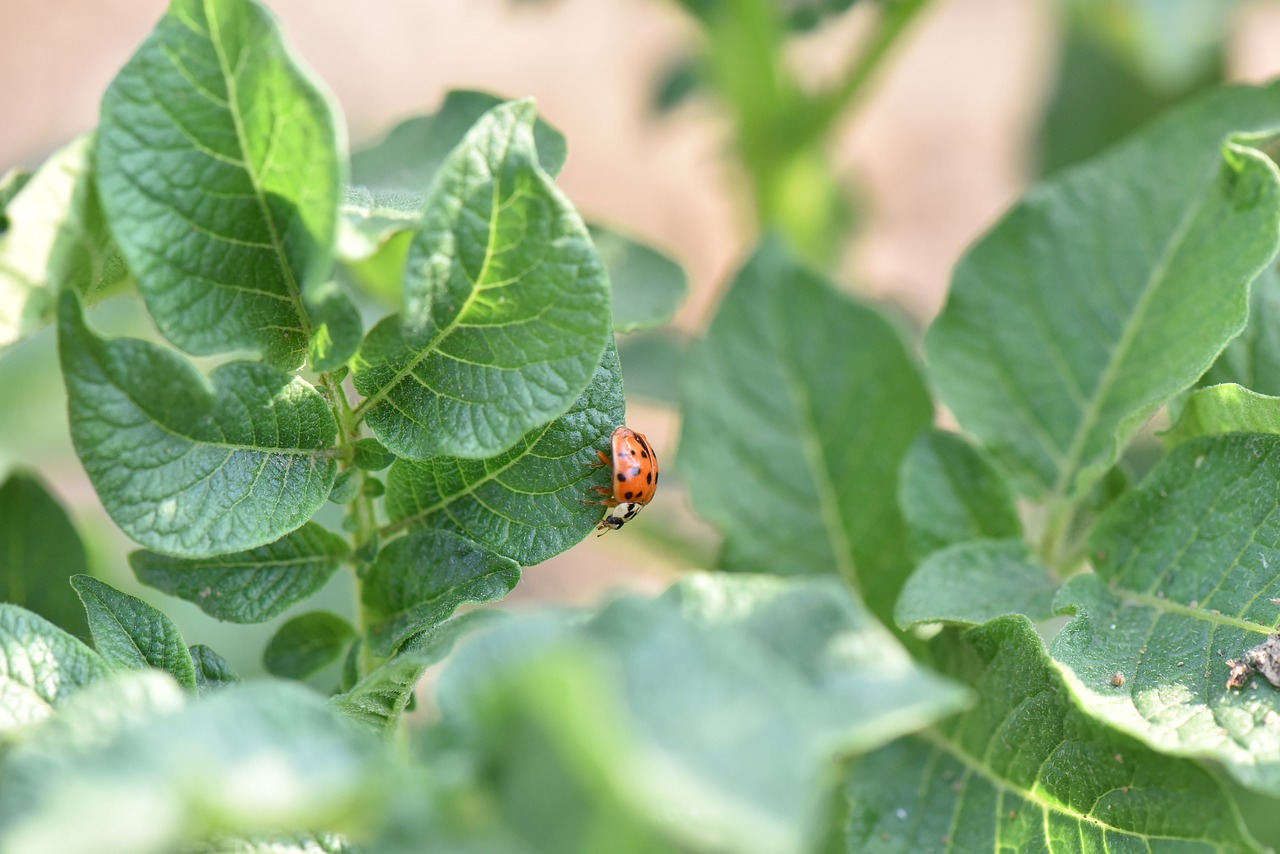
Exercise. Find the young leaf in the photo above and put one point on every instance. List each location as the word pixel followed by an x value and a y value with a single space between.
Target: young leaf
pixel 219 167
pixel 184 468
pixel 1107 291
pixel 949 493
pixel 337 328
pixel 250 586
pixel 132 635
pixel 40 666
pixel 1026 770
pixel 212 670
pixel 648 286
pixel 527 503
pixel 56 239
pixel 506 306
pixel 419 580
pixel 971 583
pixel 1226 408
pixel 806 402
pixel 40 551
pixel 306 643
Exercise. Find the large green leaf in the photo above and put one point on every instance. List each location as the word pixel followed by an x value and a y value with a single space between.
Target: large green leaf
pixel 1226 408
pixel 184 468
pixel 219 166
pixel 1187 569
pixel 132 635
pixel 419 580
pixel 40 667
pixel 506 305
pixel 736 694
pixel 39 551
pixel 799 407
pixel 1107 291
pixel 971 583
pixel 56 239
pixel 1026 770
pixel 527 503
pixel 251 586
pixel 306 643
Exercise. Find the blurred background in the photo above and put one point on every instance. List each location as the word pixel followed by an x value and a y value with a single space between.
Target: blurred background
pixel 690 124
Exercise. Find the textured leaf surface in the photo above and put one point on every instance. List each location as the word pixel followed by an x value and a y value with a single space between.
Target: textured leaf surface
pixel 307 643
pixel 250 757
pixel 294 843
pixel 219 167
pixel 648 286
pixel 39 551
pixel 419 580
pixel 734 693
pixel 56 239
pixel 506 305
pixel 809 401
pixel 1226 408
pixel 40 667
pixel 1107 291
pixel 131 635
pixel 1026 770
pixel 251 586
pixel 949 493
pixel 212 670
pixel 971 583
pixel 526 503
pixel 184 468
pixel 1187 574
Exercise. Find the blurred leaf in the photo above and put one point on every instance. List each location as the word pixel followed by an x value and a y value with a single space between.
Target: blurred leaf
pixel 1253 358
pixel 40 667
pixel 652 364
pixel 54 239
pixel 131 635
pixel 971 583
pixel 11 183
pixel 800 405
pixel 1107 291
pixel 419 580
pixel 504 297
pixel 250 586
pixel 732 693
pixel 1224 409
pixel 648 286
pixel 212 670
pixel 179 465
pixel 306 643
pixel 337 328
pixel 40 551
pixel 1185 569
pixel 949 493
pixel 527 503
pixel 680 78
pixel 298 843
pixel 1027 770
pixel 212 137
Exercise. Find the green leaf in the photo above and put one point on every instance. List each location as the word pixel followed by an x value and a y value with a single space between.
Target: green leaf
pixel 250 586
pixel 1026 770
pixel 189 469
pixel 40 551
pixel 648 286
pixel 249 758
pixel 949 493
pixel 56 239
pixel 40 667
pixel 295 843
pixel 131 635
pixel 219 166
pixel 1227 408
pixel 419 580
pixel 370 455
pixel 971 583
pixel 652 365
pixel 1185 571
pixel 1107 291
pixel 506 306
pixel 1253 358
pixel 799 407
pixel 527 503
pixel 213 672
pixel 379 698
pixel 337 328
pixel 307 643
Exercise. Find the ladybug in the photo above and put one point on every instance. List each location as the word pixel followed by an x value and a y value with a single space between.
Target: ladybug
pixel 635 478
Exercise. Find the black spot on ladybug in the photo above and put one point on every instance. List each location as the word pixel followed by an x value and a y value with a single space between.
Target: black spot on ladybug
pixel 648 478
pixel 629 495
pixel 644 454
pixel 621 477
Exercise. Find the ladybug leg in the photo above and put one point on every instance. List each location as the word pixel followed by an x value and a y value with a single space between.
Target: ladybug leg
pixel 604 502
pixel 605 460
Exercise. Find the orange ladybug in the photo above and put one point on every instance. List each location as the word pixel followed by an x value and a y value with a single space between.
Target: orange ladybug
pixel 635 478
